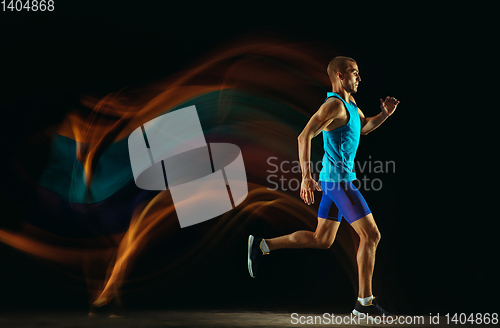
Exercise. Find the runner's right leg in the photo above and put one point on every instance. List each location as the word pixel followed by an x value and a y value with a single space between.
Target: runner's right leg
pixel 322 238
pixel 328 224
pixel 326 230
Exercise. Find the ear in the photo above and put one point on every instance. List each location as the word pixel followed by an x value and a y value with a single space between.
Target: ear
pixel 339 75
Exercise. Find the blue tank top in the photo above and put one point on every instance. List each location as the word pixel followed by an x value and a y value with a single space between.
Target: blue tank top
pixel 340 146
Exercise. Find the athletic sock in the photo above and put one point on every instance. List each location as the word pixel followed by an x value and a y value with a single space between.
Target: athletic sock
pixel 365 301
pixel 263 247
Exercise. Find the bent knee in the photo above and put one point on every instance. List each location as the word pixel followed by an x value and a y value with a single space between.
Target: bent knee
pixel 323 242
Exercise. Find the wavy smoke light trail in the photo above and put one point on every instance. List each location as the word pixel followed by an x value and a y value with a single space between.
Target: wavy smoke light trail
pixel 255 93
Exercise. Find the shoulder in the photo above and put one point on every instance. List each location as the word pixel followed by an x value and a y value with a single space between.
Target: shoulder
pixel 333 103
pixel 333 107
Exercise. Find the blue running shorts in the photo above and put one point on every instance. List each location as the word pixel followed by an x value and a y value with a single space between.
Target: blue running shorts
pixel 342 199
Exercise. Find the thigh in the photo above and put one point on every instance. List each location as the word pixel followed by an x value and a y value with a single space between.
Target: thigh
pixel 327 229
pixel 364 223
pixel 349 201
pixel 327 208
pixel 365 226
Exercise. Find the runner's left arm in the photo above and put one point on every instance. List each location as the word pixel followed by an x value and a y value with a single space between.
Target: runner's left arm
pixel 387 108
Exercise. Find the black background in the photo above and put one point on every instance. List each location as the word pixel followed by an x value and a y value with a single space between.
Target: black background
pixel 435 253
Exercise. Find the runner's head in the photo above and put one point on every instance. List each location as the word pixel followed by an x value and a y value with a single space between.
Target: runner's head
pixel 344 71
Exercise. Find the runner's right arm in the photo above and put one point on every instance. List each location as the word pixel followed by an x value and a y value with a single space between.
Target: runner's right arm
pixel 329 111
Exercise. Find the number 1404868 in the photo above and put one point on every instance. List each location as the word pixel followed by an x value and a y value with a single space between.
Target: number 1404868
pixel 28 5
pixel 473 318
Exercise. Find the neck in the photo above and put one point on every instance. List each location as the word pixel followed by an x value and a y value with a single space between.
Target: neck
pixel 338 89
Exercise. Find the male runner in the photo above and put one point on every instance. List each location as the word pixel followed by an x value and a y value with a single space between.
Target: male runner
pixel 342 123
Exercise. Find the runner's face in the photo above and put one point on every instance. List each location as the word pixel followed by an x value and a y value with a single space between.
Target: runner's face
pixel 351 78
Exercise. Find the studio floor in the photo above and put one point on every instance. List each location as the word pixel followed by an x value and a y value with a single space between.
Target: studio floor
pixel 207 318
